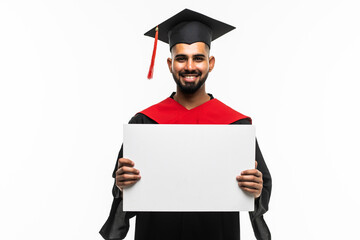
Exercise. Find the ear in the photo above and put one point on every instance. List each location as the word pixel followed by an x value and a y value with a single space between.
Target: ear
pixel 211 63
pixel 169 62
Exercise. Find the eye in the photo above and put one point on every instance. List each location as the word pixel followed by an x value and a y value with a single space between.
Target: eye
pixel 180 59
pixel 198 59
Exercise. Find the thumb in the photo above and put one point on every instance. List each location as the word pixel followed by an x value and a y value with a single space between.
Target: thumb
pixel 256 164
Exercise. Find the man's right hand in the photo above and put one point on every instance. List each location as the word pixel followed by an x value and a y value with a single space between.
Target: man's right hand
pixel 126 175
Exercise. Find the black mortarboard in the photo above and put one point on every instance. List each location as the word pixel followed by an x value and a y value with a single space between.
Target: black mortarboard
pixel 187 27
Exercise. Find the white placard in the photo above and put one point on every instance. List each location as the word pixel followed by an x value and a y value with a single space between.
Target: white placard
pixel 188 167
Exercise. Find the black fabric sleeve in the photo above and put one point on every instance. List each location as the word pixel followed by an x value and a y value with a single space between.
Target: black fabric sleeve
pixel 117 224
pixel 259 225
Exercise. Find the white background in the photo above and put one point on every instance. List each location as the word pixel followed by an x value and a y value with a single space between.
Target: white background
pixel 72 72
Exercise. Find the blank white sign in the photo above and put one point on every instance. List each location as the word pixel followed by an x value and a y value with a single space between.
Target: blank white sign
pixel 188 167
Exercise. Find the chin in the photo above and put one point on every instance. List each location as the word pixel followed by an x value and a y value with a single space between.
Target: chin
pixel 189 87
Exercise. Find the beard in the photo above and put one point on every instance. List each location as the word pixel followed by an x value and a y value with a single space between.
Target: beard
pixel 190 87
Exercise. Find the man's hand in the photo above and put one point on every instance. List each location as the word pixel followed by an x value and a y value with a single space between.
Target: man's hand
pixel 251 181
pixel 126 175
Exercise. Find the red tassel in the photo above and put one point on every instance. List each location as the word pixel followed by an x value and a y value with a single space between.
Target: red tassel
pixel 151 70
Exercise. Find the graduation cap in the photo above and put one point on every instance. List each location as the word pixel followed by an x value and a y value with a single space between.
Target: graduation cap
pixel 186 27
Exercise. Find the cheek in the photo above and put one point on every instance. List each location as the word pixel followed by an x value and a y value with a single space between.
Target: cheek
pixel 204 67
pixel 177 67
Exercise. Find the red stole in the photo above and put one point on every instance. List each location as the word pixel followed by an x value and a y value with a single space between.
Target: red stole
pixel 211 112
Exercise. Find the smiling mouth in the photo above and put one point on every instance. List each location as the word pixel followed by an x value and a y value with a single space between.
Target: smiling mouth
pixel 189 77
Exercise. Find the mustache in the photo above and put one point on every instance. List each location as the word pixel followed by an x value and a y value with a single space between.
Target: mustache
pixel 187 72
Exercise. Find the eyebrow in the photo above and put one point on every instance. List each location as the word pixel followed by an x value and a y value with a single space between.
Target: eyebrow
pixel 180 55
pixel 196 55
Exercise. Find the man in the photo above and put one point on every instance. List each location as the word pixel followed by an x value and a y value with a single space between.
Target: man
pixel 189 35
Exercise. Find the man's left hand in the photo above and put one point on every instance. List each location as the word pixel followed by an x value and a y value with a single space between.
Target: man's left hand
pixel 251 181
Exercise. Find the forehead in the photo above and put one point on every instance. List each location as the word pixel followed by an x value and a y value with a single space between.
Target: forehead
pixel 190 49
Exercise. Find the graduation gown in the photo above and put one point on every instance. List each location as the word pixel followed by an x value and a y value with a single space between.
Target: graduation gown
pixel 188 225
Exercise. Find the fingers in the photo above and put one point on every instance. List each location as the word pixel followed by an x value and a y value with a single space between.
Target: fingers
pixel 249 178
pixel 125 162
pixel 251 181
pixel 126 180
pixel 124 169
pixel 126 175
pixel 126 184
pixel 255 192
pixel 251 184
pixel 254 172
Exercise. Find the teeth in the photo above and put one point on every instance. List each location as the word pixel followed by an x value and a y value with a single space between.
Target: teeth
pixel 190 77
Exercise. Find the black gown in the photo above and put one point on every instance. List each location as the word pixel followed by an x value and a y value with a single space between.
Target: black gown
pixel 187 225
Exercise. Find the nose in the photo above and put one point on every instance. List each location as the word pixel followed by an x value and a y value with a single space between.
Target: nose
pixel 190 65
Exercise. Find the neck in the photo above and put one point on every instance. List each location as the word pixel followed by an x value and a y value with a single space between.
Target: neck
pixel 190 101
